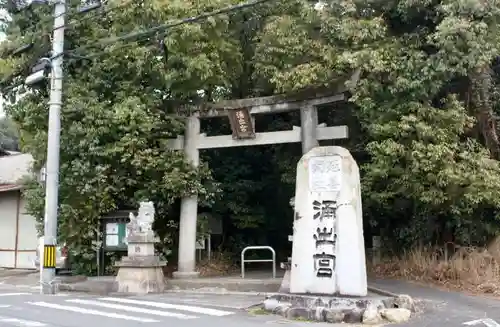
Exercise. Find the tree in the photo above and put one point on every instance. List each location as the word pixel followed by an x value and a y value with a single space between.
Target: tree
pixel 425 102
pixel 420 118
pixel 9 138
pixel 117 114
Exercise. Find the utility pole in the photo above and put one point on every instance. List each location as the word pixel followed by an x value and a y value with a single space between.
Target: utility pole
pixel 48 272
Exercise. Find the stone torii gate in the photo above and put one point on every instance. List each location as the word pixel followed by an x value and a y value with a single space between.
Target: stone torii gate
pixel 240 113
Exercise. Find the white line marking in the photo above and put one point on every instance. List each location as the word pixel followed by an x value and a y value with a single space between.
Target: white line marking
pixel 12 294
pixel 486 321
pixel 132 309
pixel 90 312
pixel 4 305
pixel 189 308
pixel 21 322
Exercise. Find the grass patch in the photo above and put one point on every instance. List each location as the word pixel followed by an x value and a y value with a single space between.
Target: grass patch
pixel 219 265
pixel 475 270
pixel 258 311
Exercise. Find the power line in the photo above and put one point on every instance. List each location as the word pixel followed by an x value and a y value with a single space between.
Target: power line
pixel 142 35
pixel 70 24
pixel 145 35
pixel 103 12
pixel 76 21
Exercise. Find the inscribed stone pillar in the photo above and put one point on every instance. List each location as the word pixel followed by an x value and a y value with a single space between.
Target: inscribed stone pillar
pixel 328 253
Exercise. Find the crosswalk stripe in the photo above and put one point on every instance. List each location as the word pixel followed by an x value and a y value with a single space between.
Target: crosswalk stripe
pixel 132 309
pixel 91 312
pixel 207 311
pixel 21 322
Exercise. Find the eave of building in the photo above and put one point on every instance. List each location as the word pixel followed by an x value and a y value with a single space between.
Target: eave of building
pixel 9 187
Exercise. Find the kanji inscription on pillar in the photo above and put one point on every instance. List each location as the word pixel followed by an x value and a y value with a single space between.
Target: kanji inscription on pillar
pixel 325 238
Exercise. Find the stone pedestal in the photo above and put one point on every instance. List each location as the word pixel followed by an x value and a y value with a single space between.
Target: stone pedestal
pixel 141 271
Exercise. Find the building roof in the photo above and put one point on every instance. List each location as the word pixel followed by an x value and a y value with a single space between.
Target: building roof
pixel 13 167
pixel 4 152
pixel 9 187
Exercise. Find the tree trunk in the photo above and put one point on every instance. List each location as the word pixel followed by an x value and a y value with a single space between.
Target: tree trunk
pixel 481 89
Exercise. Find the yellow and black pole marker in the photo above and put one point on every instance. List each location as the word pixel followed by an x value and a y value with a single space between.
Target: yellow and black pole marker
pixel 49 256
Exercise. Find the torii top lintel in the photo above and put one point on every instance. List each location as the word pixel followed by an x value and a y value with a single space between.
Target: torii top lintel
pixel 334 92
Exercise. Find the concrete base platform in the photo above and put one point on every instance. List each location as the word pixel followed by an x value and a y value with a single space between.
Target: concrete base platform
pixel 256 283
pixel 265 285
pixel 186 275
pixel 96 285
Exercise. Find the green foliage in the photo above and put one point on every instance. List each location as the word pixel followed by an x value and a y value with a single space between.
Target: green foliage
pixel 115 125
pixel 418 117
pixel 9 135
pixel 427 174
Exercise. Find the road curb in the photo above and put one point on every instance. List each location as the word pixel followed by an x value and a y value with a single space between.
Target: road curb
pixel 221 292
pixel 110 291
pixel 107 288
pixel 90 289
pixel 380 291
pixel 99 290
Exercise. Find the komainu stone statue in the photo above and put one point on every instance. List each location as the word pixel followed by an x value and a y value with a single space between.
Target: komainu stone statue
pixel 132 227
pixel 143 222
pixel 141 270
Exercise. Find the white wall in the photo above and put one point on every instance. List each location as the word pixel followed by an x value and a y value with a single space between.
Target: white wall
pixel 27 238
pixel 24 227
pixel 8 213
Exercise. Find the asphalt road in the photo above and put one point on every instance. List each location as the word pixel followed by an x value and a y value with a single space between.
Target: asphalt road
pixel 25 308
pixel 446 308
